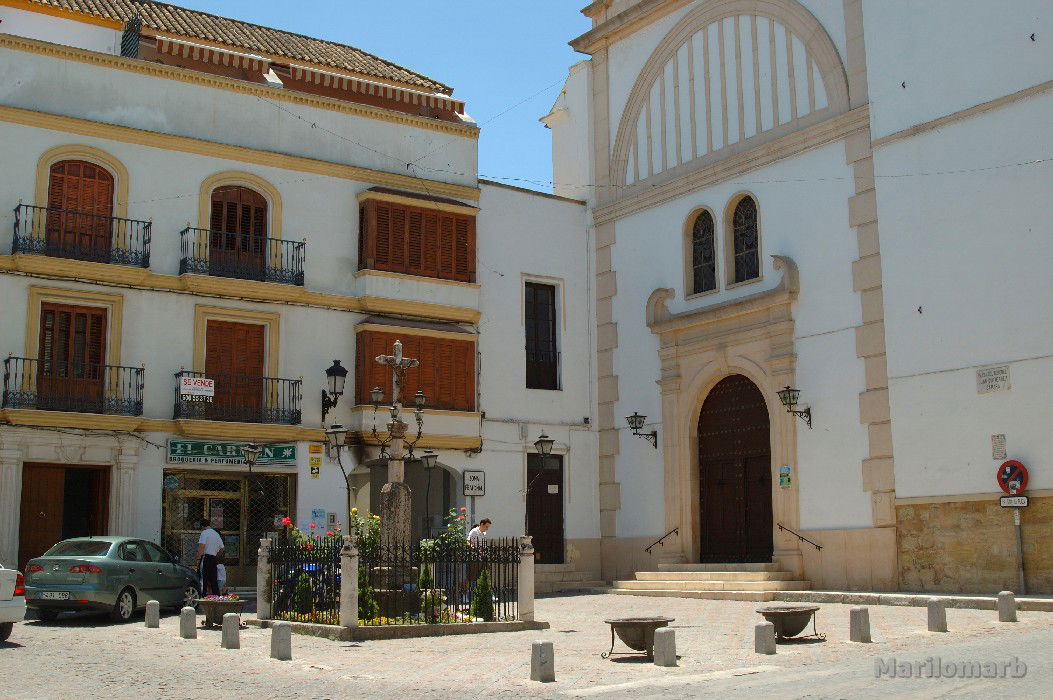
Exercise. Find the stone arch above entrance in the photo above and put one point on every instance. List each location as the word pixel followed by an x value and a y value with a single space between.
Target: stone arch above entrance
pixel 734 474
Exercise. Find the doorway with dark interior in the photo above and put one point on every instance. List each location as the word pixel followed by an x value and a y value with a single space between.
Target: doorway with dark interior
pixel 61 501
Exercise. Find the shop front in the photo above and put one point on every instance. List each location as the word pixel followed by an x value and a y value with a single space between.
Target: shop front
pixel 212 481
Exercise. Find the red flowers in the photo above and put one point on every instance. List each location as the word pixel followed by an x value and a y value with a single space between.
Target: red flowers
pixel 286 521
pixel 310 546
pixel 329 534
pixel 312 526
pixel 463 509
pixel 460 517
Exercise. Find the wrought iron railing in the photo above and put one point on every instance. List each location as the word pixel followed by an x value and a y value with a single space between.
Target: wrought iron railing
pixel 242 398
pixel 799 536
pixel 241 256
pixel 72 386
pixel 660 542
pixel 65 233
pixel 306 579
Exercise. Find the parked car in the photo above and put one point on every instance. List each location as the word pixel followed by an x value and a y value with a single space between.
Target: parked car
pixel 12 601
pixel 116 575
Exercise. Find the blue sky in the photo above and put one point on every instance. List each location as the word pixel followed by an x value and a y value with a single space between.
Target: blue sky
pixel 495 53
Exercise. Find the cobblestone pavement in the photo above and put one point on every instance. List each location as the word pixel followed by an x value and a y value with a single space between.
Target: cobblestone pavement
pixel 93 657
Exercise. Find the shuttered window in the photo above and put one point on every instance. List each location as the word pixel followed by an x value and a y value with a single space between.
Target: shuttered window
pixel 234 358
pixel 446 373
pixel 542 356
pixel 80 203
pixel 397 237
pixel 72 341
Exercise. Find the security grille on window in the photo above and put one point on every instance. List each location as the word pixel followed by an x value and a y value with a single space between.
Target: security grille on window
pixel 703 255
pixel 746 242
pixel 542 357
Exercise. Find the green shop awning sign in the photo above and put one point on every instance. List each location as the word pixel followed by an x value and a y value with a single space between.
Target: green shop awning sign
pixel 211 452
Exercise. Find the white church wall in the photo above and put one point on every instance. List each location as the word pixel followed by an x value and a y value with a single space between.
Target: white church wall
pixel 965 258
pixel 58 30
pixel 986 53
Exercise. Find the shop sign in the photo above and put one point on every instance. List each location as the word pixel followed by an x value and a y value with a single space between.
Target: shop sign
pixel 474 483
pixel 212 452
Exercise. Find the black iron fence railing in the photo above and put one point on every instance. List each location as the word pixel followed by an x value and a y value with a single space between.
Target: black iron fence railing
pixel 241 398
pixel 65 233
pixel 241 256
pixel 422 583
pixel 72 386
pixel 306 574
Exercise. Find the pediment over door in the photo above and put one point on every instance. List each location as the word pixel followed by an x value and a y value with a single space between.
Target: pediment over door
pixel 730 76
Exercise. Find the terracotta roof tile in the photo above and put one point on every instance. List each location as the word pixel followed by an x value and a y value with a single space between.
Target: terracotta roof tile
pixel 201 25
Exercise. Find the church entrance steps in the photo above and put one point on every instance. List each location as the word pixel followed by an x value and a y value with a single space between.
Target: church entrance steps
pixel 714 576
pixel 696 585
pixel 719 567
pixel 756 596
pixel 558 578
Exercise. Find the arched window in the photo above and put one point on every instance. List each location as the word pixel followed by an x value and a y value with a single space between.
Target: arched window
pixel 703 254
pixel 239 233
pixel 745 241
pixel 80 210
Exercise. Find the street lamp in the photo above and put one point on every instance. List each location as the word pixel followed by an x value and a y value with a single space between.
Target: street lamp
pixel 251 453
pixel 334 377
pixel 789 396
pixel 428 460
pixel 636 423
pixel 543 445
pixel 335 438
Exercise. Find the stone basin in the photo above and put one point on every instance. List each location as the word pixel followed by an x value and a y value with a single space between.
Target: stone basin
pixel 789 620
pixel 637 633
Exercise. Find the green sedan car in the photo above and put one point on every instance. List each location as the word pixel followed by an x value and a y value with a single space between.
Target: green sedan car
pixel 116 575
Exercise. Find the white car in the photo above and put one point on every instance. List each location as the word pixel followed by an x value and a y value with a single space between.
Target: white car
pixel 12 600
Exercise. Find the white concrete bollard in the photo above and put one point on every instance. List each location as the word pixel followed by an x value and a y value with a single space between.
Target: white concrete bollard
pixel 188 623
pixel 231 631
pixel 664 647
pixel 764 638
pixel 859 625
pixel 542 662
pixel 1006 607
pixel 937 616
pixel 281 641
pixel 153 614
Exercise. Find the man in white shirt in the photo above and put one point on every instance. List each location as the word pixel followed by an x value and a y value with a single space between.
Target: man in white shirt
pixel 209 547
pixel 477 536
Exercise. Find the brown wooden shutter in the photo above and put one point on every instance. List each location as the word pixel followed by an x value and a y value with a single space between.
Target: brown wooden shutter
pixel 382 259
pixel 72 335
pixel 414 241
pixel 82 192
pixel 446 246
pixel 446 373
pixel 463 252
pixel 430 254
pixel 234 348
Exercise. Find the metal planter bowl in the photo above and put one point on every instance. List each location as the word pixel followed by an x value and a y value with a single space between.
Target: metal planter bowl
pixel 637 633
pixel 789 620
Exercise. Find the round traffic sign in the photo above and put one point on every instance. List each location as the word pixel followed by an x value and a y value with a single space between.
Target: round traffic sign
pixel 1012 477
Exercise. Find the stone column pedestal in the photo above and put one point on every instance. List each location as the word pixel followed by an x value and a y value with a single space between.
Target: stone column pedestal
pixel 10 504
pixel 264 578
pixel 348 584
pixel 525 603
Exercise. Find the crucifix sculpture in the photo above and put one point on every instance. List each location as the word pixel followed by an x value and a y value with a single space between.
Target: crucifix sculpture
pixel 396 496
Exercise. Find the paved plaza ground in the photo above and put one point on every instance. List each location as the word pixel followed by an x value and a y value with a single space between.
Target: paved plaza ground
pixel 92 657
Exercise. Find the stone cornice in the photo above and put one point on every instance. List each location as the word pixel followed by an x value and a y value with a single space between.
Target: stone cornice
pixel 625 22
pixel 635 199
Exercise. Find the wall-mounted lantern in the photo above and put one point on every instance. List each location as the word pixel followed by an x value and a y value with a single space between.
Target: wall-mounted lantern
pixel 636 423
pixel 789 397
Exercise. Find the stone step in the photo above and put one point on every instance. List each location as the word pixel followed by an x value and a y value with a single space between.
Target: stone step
pixel 571 586
pixel 713 585
pixel 714 576
pixel 755 596
pixel 719 567
pixel 564 576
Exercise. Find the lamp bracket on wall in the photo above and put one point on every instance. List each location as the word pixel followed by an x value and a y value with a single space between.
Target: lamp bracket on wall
pixel 636 423
pixel 789 396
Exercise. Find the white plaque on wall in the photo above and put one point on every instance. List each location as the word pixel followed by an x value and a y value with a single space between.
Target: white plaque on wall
pixel 995 378
pixel 998 447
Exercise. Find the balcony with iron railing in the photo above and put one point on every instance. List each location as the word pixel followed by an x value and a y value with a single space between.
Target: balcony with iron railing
pixel 241 256
pixel 66 233
pixel 242 399
pixel 47 385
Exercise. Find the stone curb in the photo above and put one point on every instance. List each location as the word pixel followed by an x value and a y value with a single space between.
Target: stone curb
pixel 344 634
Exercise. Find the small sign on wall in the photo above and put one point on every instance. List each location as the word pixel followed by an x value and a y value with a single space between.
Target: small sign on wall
pixel 316 466
pixel 785 479
pixel 994 378
pixel 998 446
pixel 474 483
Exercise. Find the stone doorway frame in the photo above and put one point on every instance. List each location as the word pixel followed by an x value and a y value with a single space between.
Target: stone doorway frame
pixel 751 336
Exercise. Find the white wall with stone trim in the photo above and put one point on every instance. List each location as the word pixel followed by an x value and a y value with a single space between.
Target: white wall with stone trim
pixel 58 30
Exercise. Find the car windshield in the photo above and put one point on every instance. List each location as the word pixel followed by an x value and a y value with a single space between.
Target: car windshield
pixel 79 548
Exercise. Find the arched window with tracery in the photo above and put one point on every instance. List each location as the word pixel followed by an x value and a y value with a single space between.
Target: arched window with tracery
pixel 703 254
pixel 745 241
pixel 238 240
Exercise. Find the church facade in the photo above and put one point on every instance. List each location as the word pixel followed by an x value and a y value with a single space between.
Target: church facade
pixel 821 246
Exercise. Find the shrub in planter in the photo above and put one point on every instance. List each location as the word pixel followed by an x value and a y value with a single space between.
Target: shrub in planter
pixel 483 598
pixel 368 608
pixel 302 594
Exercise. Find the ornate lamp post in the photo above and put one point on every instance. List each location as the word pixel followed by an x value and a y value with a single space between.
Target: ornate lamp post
pixel 354 480
pixel 335 376
pixel 251 453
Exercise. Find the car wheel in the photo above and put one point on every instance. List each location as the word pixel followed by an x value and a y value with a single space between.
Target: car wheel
pixel 124 608
pixel 190 596
pixel 47 615
pixel 5 630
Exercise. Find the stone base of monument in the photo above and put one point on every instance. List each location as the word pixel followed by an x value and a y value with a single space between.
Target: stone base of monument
pixel 370 632
pixel 397 603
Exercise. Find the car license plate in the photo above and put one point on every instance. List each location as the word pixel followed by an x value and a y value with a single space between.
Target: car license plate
pixel 55 595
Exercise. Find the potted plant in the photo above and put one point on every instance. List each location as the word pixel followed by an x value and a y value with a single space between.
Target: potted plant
pixel 216 606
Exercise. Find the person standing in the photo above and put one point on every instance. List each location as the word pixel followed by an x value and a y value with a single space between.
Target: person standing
pixel 209 547
pixel 477 535
pixel 477 553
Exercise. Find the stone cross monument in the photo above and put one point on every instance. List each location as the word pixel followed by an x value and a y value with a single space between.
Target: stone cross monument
pixel 395 496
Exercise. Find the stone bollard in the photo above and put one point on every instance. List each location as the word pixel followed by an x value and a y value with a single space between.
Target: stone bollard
pixel 664 647
pixel 348 583
pixel 525 601
pixel 264 589
pixel 281 641
pixel 937 616
pixel 153 614
pixel 542 662
pixel 764 638
pixel 188 623
pixel 1006 607
pixel 859 625
pixel 231 631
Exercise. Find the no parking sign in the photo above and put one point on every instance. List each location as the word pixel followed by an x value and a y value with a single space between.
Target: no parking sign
pixel 1012 477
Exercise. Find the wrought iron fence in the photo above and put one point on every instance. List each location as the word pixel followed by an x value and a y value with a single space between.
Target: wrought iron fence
pixel 48 385
pixel 243 398
pixel 241 256
pixel 422 583
pixel 65 233
pixel 434 582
